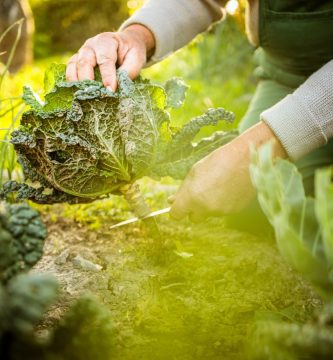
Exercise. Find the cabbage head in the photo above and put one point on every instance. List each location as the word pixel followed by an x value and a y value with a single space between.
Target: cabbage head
pixel 84 142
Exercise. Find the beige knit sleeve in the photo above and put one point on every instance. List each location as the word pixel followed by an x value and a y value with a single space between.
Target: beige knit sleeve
pixel 303 120
pixel 174 23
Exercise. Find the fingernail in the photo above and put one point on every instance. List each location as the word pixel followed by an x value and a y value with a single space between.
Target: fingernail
pixel 110 88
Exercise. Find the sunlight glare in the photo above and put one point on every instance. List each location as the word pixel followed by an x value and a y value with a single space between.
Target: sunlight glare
pixel 232 7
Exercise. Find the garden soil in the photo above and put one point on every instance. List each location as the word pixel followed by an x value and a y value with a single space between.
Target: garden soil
pixel 193 292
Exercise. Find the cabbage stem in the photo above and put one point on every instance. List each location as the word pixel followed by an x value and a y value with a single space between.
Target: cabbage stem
pixel 138 205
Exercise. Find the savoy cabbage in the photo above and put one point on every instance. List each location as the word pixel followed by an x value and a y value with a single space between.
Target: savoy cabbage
pixel 85 142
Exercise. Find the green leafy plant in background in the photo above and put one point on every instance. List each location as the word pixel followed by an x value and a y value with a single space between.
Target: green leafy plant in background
pixel 22 239
pixel 10 110
pixel 23 297
pixel 304 234
pixel 86 331
pixel 85 142
pixel 303 225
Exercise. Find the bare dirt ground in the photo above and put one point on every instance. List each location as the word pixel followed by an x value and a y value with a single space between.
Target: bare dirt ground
pixel 197 295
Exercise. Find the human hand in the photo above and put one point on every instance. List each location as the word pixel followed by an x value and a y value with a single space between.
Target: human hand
pixel 220 183
pixel 127 49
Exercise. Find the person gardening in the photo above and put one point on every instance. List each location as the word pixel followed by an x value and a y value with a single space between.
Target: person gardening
pixel 292 105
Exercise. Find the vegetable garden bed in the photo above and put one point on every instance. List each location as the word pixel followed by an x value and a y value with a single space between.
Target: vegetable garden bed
pixel 200 300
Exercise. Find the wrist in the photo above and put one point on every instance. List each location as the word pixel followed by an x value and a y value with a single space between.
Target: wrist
pixel 144 36
pixel 261 134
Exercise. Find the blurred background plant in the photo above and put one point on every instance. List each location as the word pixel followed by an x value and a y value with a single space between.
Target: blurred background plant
pixel 10 107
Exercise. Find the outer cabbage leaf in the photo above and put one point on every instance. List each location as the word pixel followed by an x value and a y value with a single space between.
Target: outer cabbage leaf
pixel 324 209
pixel 85 142
pixel 176 92
pixel 292 214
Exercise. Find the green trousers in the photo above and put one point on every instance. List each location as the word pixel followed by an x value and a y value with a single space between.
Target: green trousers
pixel 267 94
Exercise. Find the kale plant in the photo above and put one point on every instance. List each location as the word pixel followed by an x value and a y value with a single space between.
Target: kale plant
pixel 85 142
pixel 22 235
pixel 25 298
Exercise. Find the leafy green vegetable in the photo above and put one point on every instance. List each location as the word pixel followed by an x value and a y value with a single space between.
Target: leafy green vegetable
pixel 324 209
pixel 302 224
pixel 176 91
pixel 22 236
pixel 86 332
pixel 28 297
pixel 304 233
pixel 24 298
pixel 86 142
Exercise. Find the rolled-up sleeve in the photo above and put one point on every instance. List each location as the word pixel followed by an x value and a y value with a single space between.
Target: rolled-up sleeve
pixel 174 23
pixel 303 121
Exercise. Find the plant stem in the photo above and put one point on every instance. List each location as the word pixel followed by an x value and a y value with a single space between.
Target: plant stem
pixel 139 206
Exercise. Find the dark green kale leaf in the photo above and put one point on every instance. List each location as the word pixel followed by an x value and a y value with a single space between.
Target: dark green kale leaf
pixel 22 235
pixel 28 297
pixel 86 332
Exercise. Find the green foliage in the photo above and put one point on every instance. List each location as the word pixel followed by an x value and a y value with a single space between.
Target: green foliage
pixel 10 109
pixel 24 298
pixel 324 209
pixel 86 142
pixel 278 340
pixel 27 299
pixel 176 91
pixel 64 25
pixel 22 235
pixel 303 228
pixel 302 224
pixel 224 53
pixel 85 332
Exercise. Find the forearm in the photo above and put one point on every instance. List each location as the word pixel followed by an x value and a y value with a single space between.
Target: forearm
pixel 303 121
pixel 174 23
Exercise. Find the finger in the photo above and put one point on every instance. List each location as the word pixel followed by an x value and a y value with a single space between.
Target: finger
pixel 133 63
pixel 106 56
pixel 86 61
pixel 71 72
